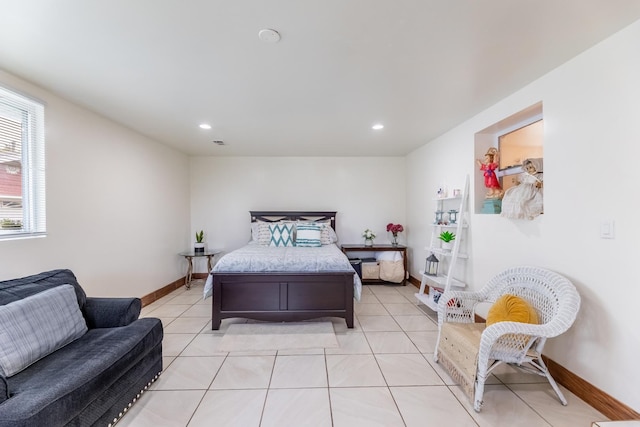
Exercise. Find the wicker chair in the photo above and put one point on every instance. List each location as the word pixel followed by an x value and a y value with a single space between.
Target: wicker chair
pixel 554 298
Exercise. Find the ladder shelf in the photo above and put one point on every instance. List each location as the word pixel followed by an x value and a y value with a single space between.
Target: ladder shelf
pixel 432 287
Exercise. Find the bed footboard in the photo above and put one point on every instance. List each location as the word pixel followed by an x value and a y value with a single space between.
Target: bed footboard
pixel 282 297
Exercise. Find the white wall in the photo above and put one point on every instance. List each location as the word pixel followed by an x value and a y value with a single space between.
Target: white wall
pixel 366 193
pixel 591 149
pixel 117 204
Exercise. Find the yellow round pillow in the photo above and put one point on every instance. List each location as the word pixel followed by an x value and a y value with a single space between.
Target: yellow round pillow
pixel 511 308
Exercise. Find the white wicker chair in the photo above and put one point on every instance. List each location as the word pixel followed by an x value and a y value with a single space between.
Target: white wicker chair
pixel 553 296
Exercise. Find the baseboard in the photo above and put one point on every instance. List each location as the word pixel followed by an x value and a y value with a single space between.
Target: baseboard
pixel 609 406
pixel 415 282
pixel 598 399
pixel 159 293
pixel 166 290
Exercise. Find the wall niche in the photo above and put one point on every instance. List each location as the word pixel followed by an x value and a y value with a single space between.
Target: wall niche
pixel 515 139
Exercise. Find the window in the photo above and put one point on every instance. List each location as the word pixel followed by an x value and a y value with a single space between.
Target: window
pixel 22 177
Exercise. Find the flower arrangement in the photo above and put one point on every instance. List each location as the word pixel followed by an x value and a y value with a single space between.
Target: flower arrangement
pixel 395 229
pixel 368 234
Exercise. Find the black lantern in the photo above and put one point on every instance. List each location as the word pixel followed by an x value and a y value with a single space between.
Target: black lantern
pixel 453 216
pixel 431 267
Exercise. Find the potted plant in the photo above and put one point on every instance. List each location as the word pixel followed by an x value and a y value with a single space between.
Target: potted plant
pixel 368 237
pixel 447 238
pixel 199 245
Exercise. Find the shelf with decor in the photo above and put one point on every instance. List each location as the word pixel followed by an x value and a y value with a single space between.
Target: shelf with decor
pixel 441 274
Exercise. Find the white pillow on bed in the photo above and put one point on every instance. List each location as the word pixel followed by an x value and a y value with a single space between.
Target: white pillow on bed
pixel 308 235
pixel 328 234
pixel 260 232
pixel 281 234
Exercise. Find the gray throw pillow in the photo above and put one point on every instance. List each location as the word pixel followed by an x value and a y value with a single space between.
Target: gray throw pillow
pixel 38 325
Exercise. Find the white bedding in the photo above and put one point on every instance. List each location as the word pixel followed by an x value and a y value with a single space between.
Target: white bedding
pixel 259 258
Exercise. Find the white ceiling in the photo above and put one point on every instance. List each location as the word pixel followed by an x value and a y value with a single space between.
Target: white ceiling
pixel 420 67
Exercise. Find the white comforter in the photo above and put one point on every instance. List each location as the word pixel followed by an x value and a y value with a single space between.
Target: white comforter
pixel 259 258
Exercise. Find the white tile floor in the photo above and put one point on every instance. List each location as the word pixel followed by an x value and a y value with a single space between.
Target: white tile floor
pixel 382 374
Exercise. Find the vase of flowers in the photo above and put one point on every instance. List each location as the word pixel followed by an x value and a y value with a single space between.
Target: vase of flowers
pixel 368 237
pixel 394 229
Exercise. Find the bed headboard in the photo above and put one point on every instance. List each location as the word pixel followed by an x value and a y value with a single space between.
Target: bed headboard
pixel 273 216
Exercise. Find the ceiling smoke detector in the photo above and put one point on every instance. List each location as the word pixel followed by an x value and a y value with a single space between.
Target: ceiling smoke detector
pixel 218 142
pixel 269 36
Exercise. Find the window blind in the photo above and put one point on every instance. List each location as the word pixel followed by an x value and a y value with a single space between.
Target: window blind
pixel 22 166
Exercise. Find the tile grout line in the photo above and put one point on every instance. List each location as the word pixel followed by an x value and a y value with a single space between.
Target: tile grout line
pixel 326 371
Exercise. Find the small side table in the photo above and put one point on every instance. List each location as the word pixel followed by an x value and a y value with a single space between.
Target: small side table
pixel 189 256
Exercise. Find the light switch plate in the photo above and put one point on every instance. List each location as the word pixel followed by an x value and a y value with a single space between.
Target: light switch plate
pixel 607 230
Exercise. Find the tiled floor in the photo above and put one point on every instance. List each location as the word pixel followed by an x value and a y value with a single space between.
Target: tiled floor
pixel 382 374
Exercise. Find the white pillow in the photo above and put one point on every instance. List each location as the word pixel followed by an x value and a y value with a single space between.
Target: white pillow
pixel 281 234
pixel 260 232
pixel 332 237
pixel 328 234
pixel 254 231
pixel 308 235
pixel 38 325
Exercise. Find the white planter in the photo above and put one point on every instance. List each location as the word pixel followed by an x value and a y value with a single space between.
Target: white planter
pixel 198 247
pixel 447 246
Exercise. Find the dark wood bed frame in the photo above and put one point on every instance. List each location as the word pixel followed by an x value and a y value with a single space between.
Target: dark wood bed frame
pixel 283 296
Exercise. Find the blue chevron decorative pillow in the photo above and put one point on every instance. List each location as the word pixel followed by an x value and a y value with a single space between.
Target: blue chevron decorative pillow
pixel 281 234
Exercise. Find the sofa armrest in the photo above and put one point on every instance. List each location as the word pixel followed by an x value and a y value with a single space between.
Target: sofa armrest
pixel 111 312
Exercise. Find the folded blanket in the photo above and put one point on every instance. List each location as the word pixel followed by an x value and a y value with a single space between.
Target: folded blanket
pixel 458 353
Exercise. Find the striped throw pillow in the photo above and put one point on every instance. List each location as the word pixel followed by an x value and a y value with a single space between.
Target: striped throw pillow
pixel 328 234
pixel 308 235
pixel 38 325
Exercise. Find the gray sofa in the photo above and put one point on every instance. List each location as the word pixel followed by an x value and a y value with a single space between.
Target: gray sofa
pixel 91 380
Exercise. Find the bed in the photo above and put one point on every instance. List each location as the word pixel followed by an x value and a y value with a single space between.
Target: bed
pixel 283 284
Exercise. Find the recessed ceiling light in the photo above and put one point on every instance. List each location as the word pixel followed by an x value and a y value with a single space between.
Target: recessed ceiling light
pixel 269 36
pixel 377 126
pixel 205 126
